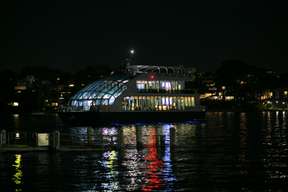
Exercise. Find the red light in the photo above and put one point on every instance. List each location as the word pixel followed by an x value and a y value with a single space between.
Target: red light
pixel 151 76
pixel 154 164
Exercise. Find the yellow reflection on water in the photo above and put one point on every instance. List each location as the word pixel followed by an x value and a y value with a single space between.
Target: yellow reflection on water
pixel 111 159
pixel 17 177
pixel 112 182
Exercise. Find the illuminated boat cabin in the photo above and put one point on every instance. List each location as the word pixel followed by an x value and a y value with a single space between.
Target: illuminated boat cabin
pixel 145 88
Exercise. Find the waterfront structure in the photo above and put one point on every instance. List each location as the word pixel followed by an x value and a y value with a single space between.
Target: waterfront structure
pixel 142 92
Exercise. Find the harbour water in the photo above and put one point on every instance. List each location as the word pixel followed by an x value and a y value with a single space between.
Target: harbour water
pixel 225 152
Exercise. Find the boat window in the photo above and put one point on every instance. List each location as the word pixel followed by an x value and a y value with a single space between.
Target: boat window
pixel 157 103
pixel 159 86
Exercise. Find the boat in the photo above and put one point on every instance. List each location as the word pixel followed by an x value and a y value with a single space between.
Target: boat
pixel 141 93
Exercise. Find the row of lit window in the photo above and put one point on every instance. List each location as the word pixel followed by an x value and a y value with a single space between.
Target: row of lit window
pixel 138 103
pixel 160 85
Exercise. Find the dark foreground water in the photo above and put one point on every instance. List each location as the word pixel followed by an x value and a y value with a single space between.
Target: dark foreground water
pixel 226 152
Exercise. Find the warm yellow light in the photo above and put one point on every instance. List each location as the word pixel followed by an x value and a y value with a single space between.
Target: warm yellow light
pixel 54 104
pixel 17 177
pixel 270 94
pixel 112 158
pixel 71 85
pixel 17 161
pixel 205 95
pixel 15 104
pixel 164 107
pixel 20 87
pixel 229 98
pixel 285 92
pixel 43 139
pixel 223 87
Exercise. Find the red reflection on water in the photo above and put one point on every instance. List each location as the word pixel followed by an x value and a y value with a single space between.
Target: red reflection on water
pixel 153 165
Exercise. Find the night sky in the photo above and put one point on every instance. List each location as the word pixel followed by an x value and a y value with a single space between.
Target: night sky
pixel 73 34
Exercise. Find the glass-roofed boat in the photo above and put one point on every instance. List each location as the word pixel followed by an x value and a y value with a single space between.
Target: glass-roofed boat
pixel 158 93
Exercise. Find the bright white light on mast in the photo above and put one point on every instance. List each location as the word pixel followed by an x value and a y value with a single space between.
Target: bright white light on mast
pixel 132 51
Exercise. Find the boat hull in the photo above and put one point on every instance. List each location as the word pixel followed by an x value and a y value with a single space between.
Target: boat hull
pixel 93 118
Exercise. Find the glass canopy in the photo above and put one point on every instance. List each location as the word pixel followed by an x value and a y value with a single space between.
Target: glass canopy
pixel 101 92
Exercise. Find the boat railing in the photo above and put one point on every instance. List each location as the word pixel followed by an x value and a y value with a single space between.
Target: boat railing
pixel 186 91
pixel 72 109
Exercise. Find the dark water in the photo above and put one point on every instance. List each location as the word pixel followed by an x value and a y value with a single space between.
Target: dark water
pixel 226 152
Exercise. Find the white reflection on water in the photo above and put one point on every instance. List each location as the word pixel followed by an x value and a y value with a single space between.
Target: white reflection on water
pixel 109 135
pixel 132 164
pixel 111 182
pixel 133 169
pixel 109 131
pixel 17 177
pixel 168 133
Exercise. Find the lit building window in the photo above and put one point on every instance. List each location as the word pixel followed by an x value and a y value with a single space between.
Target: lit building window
pixel 17 135
pixel 229 98
pixel 54 104
pixel 15 104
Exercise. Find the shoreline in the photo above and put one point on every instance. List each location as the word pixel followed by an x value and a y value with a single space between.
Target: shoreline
pixel 27 148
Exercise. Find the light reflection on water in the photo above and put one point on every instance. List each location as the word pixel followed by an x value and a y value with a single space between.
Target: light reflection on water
pixel 131 159
pixel 227 152
pixel 108 160
pixel 17 177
